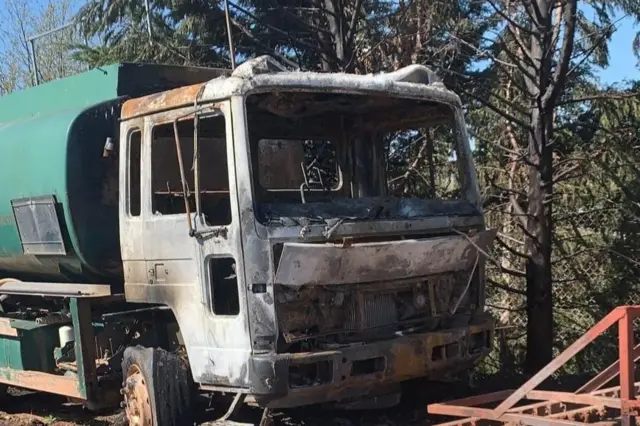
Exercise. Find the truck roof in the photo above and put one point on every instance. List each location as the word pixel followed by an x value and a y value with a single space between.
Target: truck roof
pixel 121 80
pixel 413 81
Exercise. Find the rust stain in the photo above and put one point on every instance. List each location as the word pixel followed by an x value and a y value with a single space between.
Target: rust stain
pixel 406 361
pixel 44 382
pixel 161 101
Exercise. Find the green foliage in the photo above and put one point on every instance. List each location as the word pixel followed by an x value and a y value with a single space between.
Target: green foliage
pixel 180 32
pixel 22 20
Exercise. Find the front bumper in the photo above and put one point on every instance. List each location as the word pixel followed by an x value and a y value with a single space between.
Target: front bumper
pixel 357 371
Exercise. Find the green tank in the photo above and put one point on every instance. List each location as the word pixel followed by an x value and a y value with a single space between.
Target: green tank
pixel 58 192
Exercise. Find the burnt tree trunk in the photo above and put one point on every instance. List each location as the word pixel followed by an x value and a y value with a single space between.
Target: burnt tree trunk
pixel 538 245
pixel 545 83
pixel 339 41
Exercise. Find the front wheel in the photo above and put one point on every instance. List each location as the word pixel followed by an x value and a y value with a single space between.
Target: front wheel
pixel 156 388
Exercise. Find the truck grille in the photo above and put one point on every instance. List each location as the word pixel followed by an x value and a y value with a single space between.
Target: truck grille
pixel 370 311
pixel 382 307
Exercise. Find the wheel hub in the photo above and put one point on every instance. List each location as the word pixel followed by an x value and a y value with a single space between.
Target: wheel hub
pixel 136 399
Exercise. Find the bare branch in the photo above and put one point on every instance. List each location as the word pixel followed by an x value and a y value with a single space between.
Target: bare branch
pixel 509 20
pixel 535 13
pixel 249 34
pixel 510 191
pixel 506 287
pixel 564 175
pixel 520 215
pixel 504 308
pixel 560 74
pixel 498 111
pixel 599 96
pixel 271 27
pixel 511 249
pixel 513 272
pixel 351 31
pixel 528 59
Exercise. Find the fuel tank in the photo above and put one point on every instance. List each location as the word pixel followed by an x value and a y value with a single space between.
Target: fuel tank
pixel 58 185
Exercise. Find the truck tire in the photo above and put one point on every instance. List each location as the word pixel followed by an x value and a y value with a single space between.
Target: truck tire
pixel 156 388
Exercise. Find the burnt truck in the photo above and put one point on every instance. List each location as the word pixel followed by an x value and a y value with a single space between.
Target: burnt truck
pixel 170 231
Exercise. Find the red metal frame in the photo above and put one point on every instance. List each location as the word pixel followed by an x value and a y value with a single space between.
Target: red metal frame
pixel 588 404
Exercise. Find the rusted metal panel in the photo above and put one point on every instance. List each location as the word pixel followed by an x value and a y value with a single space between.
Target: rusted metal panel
pixel 10 286
pixel 404 357
pixel 607 374
pixel 307 264
pixel 44 382
pixel 627 368
pixel 560 360
pixel 163 101
pixel 588 403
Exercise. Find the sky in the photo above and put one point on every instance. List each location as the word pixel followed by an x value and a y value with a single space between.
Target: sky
pixel 622 62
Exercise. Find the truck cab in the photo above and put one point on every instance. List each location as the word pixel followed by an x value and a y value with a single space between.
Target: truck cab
pixel 306 258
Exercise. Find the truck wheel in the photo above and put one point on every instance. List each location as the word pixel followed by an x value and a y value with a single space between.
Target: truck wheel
pixel 156 388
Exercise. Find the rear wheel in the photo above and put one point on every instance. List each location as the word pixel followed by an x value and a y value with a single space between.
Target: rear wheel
pixel 156 388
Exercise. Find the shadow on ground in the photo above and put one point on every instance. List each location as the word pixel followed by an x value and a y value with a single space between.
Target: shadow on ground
pixel 38 409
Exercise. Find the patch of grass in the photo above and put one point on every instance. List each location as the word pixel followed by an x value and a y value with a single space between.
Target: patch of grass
pixel 49 420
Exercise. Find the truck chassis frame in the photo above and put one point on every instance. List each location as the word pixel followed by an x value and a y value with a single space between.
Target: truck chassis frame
pixel 84 386
pixel 588 405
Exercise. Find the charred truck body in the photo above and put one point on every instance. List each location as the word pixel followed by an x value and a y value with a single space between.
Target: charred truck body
pixel 168 230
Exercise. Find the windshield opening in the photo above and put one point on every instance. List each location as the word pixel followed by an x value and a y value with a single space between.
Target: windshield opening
pixel 314 152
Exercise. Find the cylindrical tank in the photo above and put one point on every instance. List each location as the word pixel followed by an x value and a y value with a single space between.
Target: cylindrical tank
pixel 59 196
pixel 58 191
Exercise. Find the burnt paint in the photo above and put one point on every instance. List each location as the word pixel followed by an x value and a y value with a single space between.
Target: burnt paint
pixel 406 358
pixel 304 264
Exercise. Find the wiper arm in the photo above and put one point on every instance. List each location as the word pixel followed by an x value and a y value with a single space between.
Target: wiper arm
pixel 328 232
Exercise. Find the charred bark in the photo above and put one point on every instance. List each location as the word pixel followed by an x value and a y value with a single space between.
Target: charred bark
pixel 538 246
pixel 545 84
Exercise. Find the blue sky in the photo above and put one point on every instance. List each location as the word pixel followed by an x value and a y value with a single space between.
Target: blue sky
pixel 622 62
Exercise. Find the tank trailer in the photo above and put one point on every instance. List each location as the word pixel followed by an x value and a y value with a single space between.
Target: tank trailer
pixel 167 232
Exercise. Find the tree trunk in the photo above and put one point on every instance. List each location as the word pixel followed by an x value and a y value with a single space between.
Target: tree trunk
pixel 538 245
pixel 538 238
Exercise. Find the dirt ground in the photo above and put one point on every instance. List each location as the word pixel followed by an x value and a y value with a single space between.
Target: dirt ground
pixel 20 408
pixel 37 409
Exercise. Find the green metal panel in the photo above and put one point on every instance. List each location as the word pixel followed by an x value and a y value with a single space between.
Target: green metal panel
pixel 35 128
pixel 32 168
pixel 76 92
pixel 51 140
pixel 83 333
pixel 32 349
